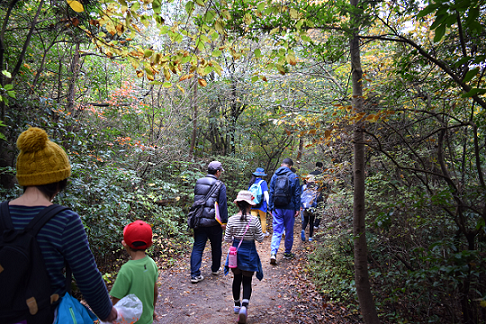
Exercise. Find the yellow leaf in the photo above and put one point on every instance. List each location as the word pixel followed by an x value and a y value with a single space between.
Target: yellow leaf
pixel 186 77
pixel 76 5
pixel 202 82
pixel 139 73
pixel 181 88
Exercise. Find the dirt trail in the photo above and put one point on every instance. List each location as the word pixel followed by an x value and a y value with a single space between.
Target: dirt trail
pixel 284 295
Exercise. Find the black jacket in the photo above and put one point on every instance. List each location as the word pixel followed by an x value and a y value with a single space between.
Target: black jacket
pixel 202 187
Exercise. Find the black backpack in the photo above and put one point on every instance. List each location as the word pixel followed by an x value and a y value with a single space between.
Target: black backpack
pixel 281 193
pixel 26 288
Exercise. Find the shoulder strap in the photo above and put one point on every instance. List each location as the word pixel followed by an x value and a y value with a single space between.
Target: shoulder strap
pixel 5 220
pixel 260 182
pixel 213 189
pixel 43 217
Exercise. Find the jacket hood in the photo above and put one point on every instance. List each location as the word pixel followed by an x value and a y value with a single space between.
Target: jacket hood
pixel 282 170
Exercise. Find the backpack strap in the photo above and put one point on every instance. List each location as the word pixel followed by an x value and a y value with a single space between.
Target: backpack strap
pixel 5 220
pixel 43 217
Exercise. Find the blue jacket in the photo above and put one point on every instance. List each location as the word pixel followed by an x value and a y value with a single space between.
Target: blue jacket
pixel 294 185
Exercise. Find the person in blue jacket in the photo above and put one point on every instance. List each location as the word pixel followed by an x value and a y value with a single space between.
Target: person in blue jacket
pixel 260 210
pixel 284 211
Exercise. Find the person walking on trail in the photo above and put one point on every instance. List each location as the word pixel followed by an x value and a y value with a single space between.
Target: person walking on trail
pixel 43 168
pixel 285 205
pixel 309 199
pixel 209 227
pixel 242 230
pixel 318 170
pixel 259 189
pixel 139 275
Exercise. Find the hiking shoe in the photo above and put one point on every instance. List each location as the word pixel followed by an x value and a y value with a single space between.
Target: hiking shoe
pixel 215 273
pixel 196 279
pixel 302 235
pixel 237 309
pixel 288 255
pixel 310 239
pixel 273 259
pixel 242 315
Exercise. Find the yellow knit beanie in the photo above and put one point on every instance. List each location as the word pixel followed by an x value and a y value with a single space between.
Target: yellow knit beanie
pixel 40 161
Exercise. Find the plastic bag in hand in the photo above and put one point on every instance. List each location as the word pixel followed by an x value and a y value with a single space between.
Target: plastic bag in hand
pixel 129 310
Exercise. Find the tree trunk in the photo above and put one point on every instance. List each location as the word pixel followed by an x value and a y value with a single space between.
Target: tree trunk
pixel 194 121
pixel 363 288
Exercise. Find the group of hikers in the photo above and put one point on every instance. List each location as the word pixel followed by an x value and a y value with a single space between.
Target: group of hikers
pixel 50 240
pixel 284 199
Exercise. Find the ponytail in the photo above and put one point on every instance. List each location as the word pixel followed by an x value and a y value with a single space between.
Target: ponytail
pixel 243 206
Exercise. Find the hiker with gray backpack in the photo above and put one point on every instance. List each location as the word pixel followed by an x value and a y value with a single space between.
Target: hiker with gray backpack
pixel 285 206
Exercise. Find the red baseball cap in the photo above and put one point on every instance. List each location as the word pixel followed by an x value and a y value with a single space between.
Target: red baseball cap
pixel 138 231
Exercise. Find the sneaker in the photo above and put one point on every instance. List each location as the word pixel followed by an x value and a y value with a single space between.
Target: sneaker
pixel 236 309
pixel 273 259
pixel 310 239
pixel 316 227
pixel 242 315
pixel 197 279
pixel 288 255
pixel 266 234
pixel 302 235
pixel 216 273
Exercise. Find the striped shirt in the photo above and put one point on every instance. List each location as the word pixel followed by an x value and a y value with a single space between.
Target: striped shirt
pixel 236 227
pixel 63 238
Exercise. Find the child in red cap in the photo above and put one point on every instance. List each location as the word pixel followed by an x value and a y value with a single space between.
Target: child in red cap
pixel 139 275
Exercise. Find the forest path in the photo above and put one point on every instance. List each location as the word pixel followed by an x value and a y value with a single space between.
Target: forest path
pixel 285 295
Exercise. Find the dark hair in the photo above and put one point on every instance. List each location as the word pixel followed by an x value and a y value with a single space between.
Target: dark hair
pixel 293 170
pixel 319 164
pixel 212 171
pixel 252 180
pixel 243 206
pixel 137 244
pixel 51 189
pixel 288 161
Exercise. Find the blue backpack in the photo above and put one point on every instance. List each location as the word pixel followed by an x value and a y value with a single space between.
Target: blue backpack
pixel 308 198
pixel 256 191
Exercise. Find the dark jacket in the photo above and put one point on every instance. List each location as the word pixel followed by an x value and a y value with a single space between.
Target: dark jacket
pixel 202 187
pixel 294 187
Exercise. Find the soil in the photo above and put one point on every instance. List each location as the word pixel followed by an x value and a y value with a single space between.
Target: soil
pixel 285 295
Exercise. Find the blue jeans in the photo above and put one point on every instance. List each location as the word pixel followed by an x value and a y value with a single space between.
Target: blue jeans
pixel 283 219
pixel 201 235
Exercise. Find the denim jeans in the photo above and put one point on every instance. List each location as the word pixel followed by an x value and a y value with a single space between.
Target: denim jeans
pixel 283 219
pixel 201 235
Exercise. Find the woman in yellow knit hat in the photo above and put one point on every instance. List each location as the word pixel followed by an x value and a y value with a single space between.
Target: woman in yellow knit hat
pixel 42 169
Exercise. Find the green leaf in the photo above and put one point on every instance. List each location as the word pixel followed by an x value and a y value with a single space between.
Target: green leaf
pixel 473 92
pixel 439 33
pixel 470 74
pixel 254 78
pixel 167 84
pixel 135 6
pixel 429 9
pixel 258 53
pixel 216 53
pixel 261 6
pixel 11 93
pixel 8 86
pixel 7 74
pixel 189 7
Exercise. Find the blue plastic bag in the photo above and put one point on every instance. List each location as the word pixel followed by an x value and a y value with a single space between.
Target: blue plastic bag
pixel 71 311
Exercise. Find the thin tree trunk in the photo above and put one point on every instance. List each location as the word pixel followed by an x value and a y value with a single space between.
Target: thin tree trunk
pixel 194 121
pixel 301 149
pixel 363 288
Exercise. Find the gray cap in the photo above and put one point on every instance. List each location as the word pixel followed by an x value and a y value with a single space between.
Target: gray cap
pixel 215 165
